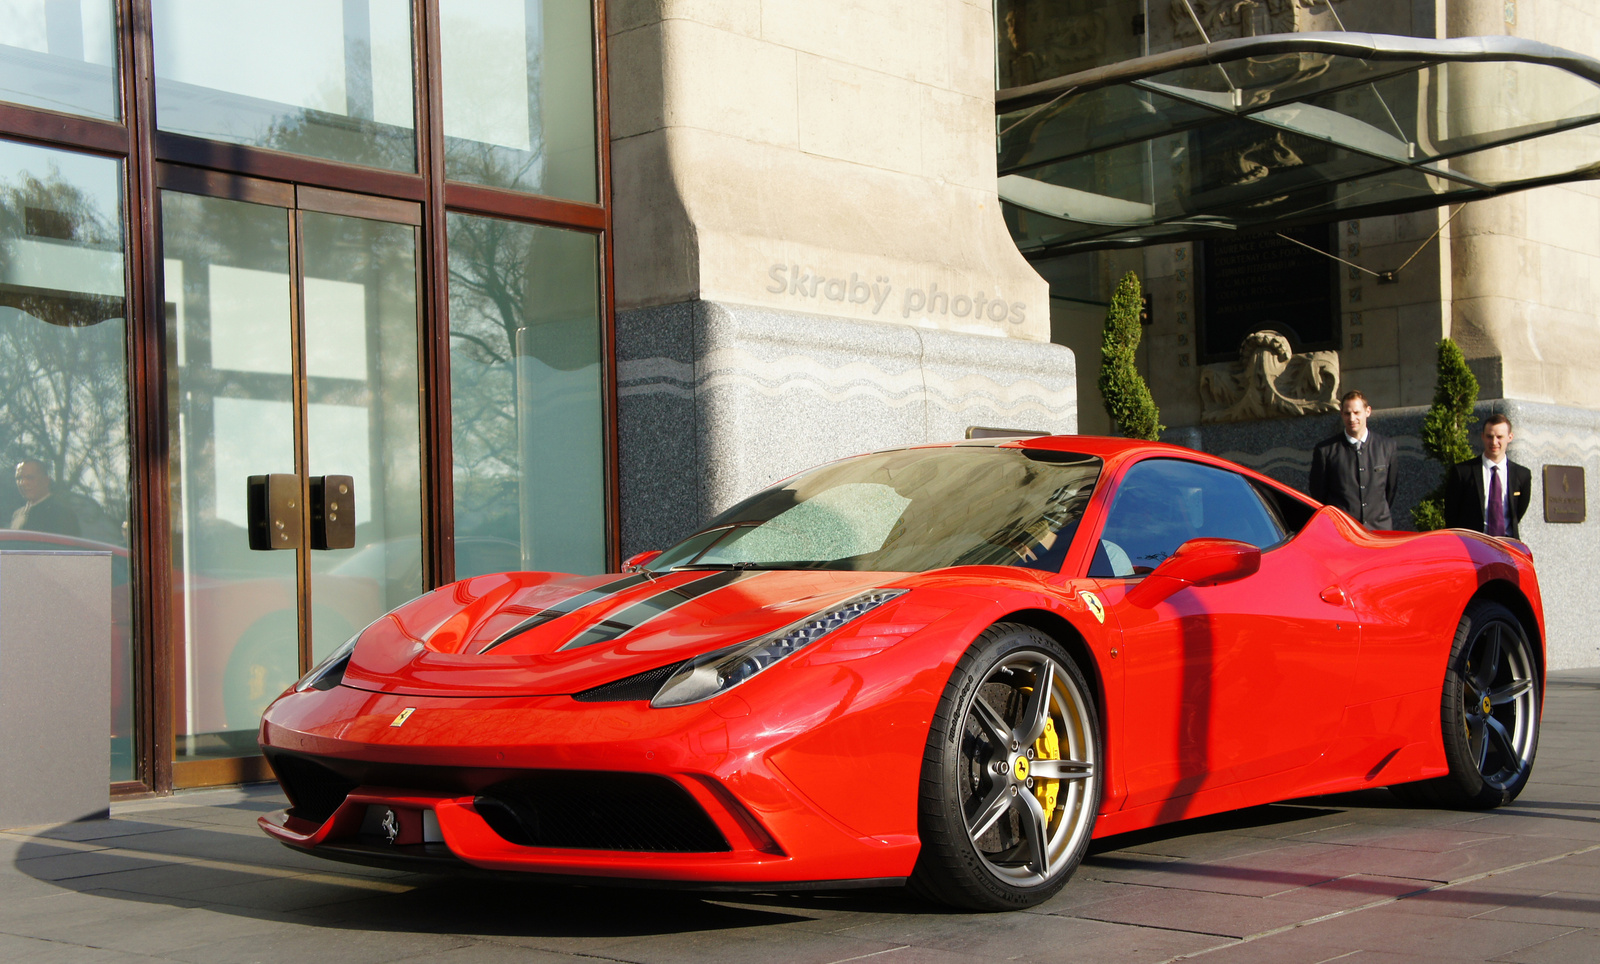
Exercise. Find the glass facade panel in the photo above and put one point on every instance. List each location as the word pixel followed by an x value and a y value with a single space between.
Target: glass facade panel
pixel 362 417
pixel 330 80
pixel 63 380
pixel 525 402
pixel 60 55
pixel 518 85
pixel 230 415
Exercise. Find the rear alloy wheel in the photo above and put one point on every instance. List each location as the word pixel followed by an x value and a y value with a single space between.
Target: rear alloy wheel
pixel 1011 775
pixel 1489 714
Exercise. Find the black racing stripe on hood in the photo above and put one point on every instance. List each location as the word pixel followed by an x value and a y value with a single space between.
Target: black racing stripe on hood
pixel 572 604
pixel 650 607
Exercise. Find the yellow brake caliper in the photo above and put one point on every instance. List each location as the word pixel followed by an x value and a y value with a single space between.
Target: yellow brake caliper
pixel 1047 747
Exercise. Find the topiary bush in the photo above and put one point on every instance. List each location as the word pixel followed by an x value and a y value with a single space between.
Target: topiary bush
pixel 1444 428
pixel 1133 412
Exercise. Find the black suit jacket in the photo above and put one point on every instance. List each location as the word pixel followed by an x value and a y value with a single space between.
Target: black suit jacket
pixel 1464 496
pixel 49 514
pixel 1363 485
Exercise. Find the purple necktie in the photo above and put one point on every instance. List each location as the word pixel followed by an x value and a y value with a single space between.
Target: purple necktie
pixel 1497 503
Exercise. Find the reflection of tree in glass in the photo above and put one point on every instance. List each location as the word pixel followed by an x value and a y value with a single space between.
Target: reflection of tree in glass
pixel 500 110
pixel 515 290
pixel 63 388
pixel 200 234
pixel 354 137
pixel 488 267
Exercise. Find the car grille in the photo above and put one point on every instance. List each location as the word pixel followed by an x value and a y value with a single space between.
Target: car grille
pixel 580 809
pixel 599 811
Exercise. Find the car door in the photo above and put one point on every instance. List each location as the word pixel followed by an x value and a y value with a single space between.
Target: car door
pixel 1224 683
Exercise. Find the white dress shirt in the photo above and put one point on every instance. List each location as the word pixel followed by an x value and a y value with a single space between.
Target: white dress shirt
pixel 1504 465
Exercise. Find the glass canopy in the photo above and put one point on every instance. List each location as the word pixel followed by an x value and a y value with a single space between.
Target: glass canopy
pixel 1288 128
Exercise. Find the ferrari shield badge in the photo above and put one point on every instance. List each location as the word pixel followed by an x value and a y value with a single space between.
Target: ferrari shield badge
pixel 1090 600
pixel 405 714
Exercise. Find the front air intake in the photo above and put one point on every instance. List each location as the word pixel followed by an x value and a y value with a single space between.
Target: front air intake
pixel 314 790
pixel 599 811
pixel 639 686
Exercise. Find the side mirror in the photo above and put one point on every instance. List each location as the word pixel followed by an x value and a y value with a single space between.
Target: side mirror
pixel 639 560
pixel 1198 562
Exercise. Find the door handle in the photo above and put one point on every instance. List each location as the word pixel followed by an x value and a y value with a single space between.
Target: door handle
pixel 273 511
pixel 333 512
pixel 1334 596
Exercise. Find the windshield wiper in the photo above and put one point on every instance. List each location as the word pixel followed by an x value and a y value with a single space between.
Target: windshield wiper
pixel 729 565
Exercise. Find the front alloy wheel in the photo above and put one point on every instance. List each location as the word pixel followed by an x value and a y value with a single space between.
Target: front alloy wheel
pixel 1489 713
pixel 1011 776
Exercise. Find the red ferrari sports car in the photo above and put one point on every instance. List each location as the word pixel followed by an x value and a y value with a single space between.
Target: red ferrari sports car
pixel 948 666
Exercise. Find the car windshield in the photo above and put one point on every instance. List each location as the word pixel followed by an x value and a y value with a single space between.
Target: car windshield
pixel 909 510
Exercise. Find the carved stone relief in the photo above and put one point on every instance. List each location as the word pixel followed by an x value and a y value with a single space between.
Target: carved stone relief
pixel 1269 381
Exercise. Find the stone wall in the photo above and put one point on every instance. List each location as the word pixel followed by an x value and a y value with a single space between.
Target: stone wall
pixel 831 157
pixel 717 401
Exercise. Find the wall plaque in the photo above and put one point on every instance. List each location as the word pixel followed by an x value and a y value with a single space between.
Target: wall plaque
pixel 1260 282
pixel 1563 493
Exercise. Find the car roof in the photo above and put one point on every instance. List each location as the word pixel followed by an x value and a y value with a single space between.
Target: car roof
pixel 1115 451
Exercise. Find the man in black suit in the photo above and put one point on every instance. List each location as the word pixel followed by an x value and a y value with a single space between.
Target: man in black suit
pixel 1490 493
pixel 1355 469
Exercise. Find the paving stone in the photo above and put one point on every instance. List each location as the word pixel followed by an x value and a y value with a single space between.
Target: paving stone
pixel 742 947
pixel 32 951
pixel 1576 947
pixel 1424 839
pixel 1449 865
pixel 1413 934
pixel 479 952
pixel 1570 874
pixel 1462 900
pixel 1258 874
pixel 161 933
pixel 306 944
pixel 1223 915
pixel 1276 950
pixel 1568 909
pixel 62 866
pixel 171 880
pixel 1353 891
pixel 83 830
pixel 283 893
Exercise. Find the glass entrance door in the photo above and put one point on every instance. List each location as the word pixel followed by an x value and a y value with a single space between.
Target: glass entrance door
pixel 292 340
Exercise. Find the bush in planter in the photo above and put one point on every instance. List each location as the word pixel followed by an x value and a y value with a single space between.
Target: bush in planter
pixel 1444 428
pixel 1133 412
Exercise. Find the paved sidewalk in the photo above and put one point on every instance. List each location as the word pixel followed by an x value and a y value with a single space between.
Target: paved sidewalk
pixel 1356 878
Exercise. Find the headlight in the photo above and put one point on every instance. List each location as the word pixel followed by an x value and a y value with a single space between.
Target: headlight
pixel 705 676
pixel 327 674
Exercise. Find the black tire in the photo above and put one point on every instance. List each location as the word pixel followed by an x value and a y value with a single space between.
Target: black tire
pixel 997 834
pixel 1488 714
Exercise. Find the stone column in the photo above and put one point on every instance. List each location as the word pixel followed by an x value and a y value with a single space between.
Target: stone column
pixel 1526 267
pixel 810 256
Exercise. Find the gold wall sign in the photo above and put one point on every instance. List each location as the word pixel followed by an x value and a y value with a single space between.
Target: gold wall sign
pixel 1563 493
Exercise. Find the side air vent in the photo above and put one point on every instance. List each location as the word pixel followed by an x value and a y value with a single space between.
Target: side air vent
pixel 599 811
pixel 640 686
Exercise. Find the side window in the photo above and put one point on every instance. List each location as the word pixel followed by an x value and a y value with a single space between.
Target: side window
pixel 1163 503
pixel 1289 511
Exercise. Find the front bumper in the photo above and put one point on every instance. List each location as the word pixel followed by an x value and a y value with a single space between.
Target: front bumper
pixel 556 788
